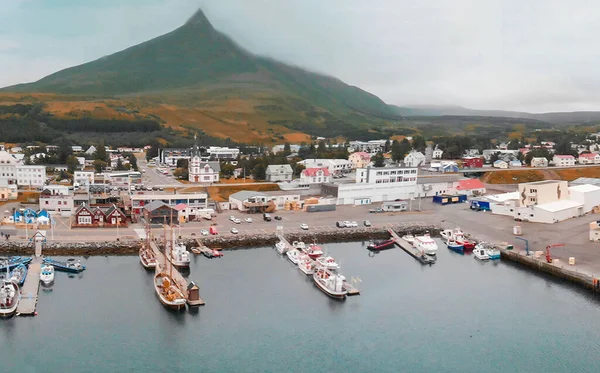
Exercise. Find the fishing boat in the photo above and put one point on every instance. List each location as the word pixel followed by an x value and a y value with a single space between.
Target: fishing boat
pixel 196 250
pixel 19 274
pixel 217 253
pixel 328 262
pixel 381 245
pixel 330 283
pixel 207 252
pixel 491 251
pixel 306 265
pixel 409 238
pixel 6 264
pixel 455 246
pixel 459 237
pixel 299 245
pixel 71 265
pixel 178 255
pixel 480 253
pixel 9 298
pixel 426 245
pixel 281 247
pixel 446 234
pixel 293 255
pixel 314 251
pixel 167 291
pixel 147 257
pixel 47 274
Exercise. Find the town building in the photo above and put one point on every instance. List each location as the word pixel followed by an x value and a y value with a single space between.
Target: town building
pixel 595 231
pixel 505 155
pixel 279 148
pixel 204 171
pixel 8 169
pixel 470 187
pixel 218 153
pixel 472 162
pixel 371 147
pixel 437 153
pixel 515 163
pixel 539 162
pixel 589 158
pixel 123 178
pixel 170 156
pixel 98 217
pixel 251 201
pixel 335 166
pixel 8 192
pixel 57 198
pixel 196 201
pixel 414 159
pixel 279 172
pixel 500 164
pixel 315 176
pixel 587 195
pixel 83 178
pixel 563 160
pixel 31 175
pixel 91 150
pixel 359 159
pixel 158 212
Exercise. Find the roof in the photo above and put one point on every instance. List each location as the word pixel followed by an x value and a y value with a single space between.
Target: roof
pixel 562 156
pixel 499 161
pixel 539 159
pixel 363 155
pixel 416 154
pixel 503 197
pixel 274 168
pixel 515 161
pixel 438 179
pixel 469 184
pixel 588 155
pixel 82 207
pixel 154 205
pixel 585 188
pixel 313 171
pixel 245 194
pixel 563 204
pixel 586 180
pixel 181 207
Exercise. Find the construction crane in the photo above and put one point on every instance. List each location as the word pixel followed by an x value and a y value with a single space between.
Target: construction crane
pixel 526 244
pixel 548 255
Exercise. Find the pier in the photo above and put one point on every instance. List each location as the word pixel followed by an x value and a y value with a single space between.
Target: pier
pixel 30 289
pixel 412 251
pixel 192 293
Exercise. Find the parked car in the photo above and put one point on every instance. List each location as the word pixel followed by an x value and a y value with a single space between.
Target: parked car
pixel 149 188
pixel 234 231
pixel 375 211
pixel 204 232
pixel 266 217
pixel 304 226
pixel 248 220
pixel 161 189
pixel 353 224
pixel 237 221
pixel 347 224
pixel 232 218
pixel 367 223
pixel 278 217
pixel 340 224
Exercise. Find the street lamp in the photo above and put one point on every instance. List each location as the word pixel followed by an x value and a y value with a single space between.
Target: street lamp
pixel 118 221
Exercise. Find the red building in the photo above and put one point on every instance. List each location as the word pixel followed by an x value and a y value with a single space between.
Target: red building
pixel 472 162
pixel 93 217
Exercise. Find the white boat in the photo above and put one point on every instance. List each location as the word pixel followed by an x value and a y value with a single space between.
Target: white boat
pixel 446 234
pixel 293 255
pixel 480 253
pixel 167 291
pixel 491 251
pixel 314 251
pixel 409 238
pixel 426 245
pixel 330 283
pixel 179 256
pixel 306 265
pixel 299 245
pixel 9 298
pixel 47 274
pixel 147 257
pixel 328 262
pixel 281 247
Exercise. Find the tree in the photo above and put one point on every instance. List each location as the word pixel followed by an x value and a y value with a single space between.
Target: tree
pixel 99 165
pixel 181 173
pixel 287 149
pixel 419 143
pixel 100 153
pixel 227 170
pixel 153 151
pixel 520 157
pixel 322 148
pixel 259 172
pixel 64 152
pixel 400 149
pixel 183 163
pixel 514 145
pixel 378 160
pixel 387 146
pixel 119 166
pixel 132 161
pixel 72 163
pixel 298 169
pixel 494 157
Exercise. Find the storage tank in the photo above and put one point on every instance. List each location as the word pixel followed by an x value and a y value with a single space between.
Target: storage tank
pixel 517 230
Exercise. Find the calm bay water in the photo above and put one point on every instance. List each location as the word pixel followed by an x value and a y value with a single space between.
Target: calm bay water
pixel 263 315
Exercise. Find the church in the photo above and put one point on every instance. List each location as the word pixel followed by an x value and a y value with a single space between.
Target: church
pixel 201 171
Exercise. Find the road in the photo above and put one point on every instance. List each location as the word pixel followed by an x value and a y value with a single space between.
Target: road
pixel 492 169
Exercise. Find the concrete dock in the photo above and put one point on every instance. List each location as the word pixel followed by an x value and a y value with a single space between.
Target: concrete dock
pixel 30 289
pixel 181 282
pixel 410 249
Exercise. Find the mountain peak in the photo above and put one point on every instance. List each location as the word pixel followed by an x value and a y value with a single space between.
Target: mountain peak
pixel 198 20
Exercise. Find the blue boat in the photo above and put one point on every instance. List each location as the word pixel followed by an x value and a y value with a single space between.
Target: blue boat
pixel 7 264
pixel 19 274
pixel 455 246
pixel 71 265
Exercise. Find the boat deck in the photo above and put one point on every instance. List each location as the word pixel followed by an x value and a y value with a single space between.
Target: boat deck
pixel 406 246
pixel 177 276
pixel 30 289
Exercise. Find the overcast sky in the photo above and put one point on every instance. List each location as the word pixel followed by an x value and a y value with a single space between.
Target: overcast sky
pixel 533 55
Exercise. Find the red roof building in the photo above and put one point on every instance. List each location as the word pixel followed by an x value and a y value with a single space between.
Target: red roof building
pixel 315 172
pixel 315 176
pixel 470 187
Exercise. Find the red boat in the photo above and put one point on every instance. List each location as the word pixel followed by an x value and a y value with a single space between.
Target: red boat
pixel 382 245
pixel 216 253
pixel 314 251
pixel 460 239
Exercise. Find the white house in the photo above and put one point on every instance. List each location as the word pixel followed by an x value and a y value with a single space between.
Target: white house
pixel 8 168
pixel 414 159
pixel 335 166
pixel 217 152
pixel 563 160
pixel 515 163
pixel 589 158
pixel 249 200
pixel 83 177
pixel 437 153
pixel 359 159
pixel 279 172
pixel 56 198
pixel 31 175
pixel 500 164
pixel 91 150
pixel 539 162
pixel 315 176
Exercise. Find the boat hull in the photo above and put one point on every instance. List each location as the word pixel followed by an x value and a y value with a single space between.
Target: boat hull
pixel 293 257
pixel 457 248
pixel 179 264
pixel 63 267
pixel 176 304
pixel 329 293
pixel 382 245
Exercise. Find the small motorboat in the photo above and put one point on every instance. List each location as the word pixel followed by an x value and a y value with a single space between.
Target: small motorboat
pixel 206 252
pixel 327 262
pixel 382 245
pixel 491 251
pixel 455 246
pixel 446 234
pixel 196 250
pixel 281 247
pixel 426 245
pixel 314 251
pixel 216 253
pixel 47 274
pixel 9 298
pixel 459 237
pixel 409 238
pixel 71 265
pixel 19 274
pixel 7 264
pixel 299 245
pixel 480 253
pixel 330 283
pixel 293 255
pixel 306 265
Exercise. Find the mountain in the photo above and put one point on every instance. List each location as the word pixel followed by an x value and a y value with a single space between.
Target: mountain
pixel 197 66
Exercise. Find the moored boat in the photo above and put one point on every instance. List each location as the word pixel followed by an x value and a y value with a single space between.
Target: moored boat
pixel 381 245
pixel 9 298
pixel 299 245
pixel 7 264
pixel 491 251
pixel 168 293
pixel 480 253
pixel 19 274
pixel 71 265
pixel 147 257
pixel 47 274
pixel 207 252
pixel 179 256
pixel 281 247
pixel 446 234
pixel 330 283
pixel 458 236
pixel 306 265
pixel 426 245
pixel 409 238
pixel 327 262
pixel 293 255
pixel 455 246
pixel 314 251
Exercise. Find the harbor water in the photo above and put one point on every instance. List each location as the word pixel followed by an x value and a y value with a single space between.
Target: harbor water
pixel 263 315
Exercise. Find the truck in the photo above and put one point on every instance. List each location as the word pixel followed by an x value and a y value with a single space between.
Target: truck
pixel 266 217
pixel 206 215
pixel 480 205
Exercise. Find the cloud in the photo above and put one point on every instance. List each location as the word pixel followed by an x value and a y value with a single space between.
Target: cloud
pixel 535 55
